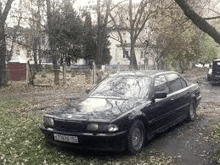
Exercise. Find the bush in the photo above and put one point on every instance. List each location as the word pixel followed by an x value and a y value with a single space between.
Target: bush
pixel 43 73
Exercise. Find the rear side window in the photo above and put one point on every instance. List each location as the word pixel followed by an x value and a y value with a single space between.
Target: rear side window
pixel 183 82
pixel 175 82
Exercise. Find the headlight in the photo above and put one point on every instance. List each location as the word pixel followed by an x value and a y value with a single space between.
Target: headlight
pixel 48 121
pixel 102 127
pixel 112 128
pixel 93 127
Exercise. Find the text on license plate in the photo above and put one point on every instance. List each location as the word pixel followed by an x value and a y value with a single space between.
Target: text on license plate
pixel 66 138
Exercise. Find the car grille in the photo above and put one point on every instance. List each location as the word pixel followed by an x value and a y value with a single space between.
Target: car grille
pixel 72 126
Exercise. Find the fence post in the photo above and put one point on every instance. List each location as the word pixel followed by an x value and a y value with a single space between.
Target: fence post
pixel 94 72
pixel 64 73
pixel 27 73
pixel 118 67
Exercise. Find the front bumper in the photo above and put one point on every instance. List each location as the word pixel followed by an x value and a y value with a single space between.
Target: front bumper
pixel 215 79
pixel 89 141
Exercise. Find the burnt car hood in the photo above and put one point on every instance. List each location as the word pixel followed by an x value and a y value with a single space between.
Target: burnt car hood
pixel 95 109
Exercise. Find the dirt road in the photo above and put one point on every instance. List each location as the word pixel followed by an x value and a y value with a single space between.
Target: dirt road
pixel 190 142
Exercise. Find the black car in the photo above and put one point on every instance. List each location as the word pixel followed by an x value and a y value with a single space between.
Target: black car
pixel 123 111
pixel 213 74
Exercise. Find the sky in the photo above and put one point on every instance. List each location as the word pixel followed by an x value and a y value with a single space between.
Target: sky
pixel 10 21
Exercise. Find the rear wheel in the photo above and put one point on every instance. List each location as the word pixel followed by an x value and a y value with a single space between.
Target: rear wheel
pixel 136 137
pixel 191 114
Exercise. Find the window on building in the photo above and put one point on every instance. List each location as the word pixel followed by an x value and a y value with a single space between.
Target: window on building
pixel 125 54
pixel 17 52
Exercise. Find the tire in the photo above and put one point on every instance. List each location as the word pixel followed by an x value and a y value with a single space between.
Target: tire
pixel 136 137
pixel 191 113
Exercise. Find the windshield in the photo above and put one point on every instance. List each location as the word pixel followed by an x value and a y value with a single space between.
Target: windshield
pixel 123 86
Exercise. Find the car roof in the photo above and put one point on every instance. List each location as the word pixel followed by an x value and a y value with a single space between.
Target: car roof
pixel 142 73
pixel 216 60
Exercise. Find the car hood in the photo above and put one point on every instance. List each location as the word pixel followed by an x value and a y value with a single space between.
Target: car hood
pixel 95 109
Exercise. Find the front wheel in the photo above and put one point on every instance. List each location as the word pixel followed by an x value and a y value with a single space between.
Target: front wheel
pixel 136 137
pixel 191 113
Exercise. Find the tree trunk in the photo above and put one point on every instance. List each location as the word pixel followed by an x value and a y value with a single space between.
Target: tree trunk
pixel 133 62
pixel 3 78
pixel 56 70
pixel 99 42
pixel 3 17
pixel 52 44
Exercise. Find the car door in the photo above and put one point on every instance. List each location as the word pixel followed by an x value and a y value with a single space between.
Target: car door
pixel 158 112
pixel 180 94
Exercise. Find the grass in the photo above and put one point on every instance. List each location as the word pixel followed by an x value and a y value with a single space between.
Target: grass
pixel 21 142
pixel 216 138
pixel 44 73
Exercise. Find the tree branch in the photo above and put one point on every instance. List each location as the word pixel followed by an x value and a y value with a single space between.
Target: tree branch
pixel 4 14
pixel 210 18
pixel 199 21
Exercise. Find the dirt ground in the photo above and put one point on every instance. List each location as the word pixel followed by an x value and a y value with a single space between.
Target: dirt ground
pixel 189 143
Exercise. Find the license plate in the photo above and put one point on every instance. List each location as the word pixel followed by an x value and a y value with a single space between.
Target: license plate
pixel 66 138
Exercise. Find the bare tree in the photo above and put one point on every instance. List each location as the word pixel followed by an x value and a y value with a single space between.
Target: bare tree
pixel 3 17
pixel 132 18
pixel 52 43
pixel 102 31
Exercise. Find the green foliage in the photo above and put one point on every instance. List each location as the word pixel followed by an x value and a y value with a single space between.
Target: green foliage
pixel 66 32
pixel 77 38
pixel 179 42
pixel 218 155
pixel 208 48
pixel 215 134
pixel 89 38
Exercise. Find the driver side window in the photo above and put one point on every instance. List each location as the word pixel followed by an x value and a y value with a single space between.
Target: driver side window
pixel 160 84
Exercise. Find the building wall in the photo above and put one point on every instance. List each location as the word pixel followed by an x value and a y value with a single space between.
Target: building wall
pixel 116 52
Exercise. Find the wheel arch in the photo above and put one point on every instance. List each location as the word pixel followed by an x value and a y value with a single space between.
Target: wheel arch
pixel 144 120
pixel 193 98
